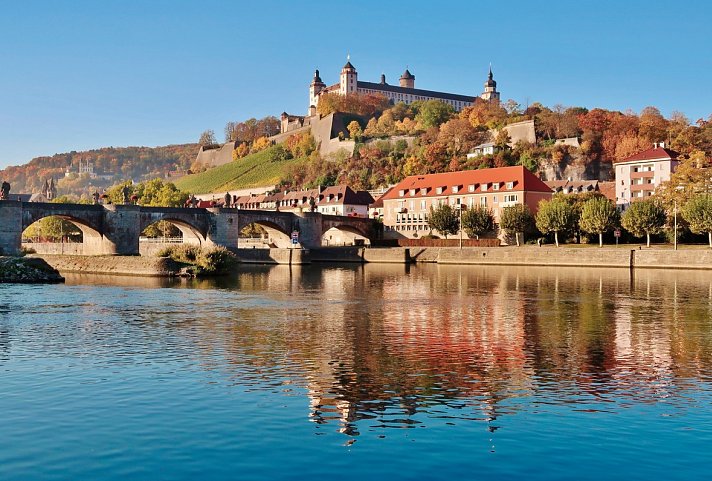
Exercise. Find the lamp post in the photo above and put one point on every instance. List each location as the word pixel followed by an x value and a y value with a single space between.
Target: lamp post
pixel 459 208
pixel 674 235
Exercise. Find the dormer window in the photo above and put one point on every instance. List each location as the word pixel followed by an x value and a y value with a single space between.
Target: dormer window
pixel 423 191
pixel 439 190
pixel 471 187
pixel 495 186
pixel 483 187
pixel 455 188
pixel 510 185
pixel 401 193
pixel 412 191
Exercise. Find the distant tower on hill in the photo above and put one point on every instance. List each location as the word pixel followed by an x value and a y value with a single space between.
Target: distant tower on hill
pixel 349 78
pixel 49 190
pixel 407 80
pixel 490 92
pixel 315 88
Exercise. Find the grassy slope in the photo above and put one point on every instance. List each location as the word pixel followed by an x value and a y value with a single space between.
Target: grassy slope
pixel 254 170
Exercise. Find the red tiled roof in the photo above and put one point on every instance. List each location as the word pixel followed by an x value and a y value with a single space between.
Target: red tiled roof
pixel 343 194
pixel 523 181
pixel 379 202
pixel 608 189
pixel 655 153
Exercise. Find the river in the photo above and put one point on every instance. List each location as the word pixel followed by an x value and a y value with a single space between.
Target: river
pixel 388 371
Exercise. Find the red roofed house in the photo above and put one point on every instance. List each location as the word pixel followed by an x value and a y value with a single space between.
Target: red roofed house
pixel 343 200
pixel 406 206
pixel 638 175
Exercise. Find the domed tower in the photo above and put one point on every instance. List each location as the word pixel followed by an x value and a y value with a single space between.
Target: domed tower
pixel 315 87
pixel 349 79
pixel 407 80
pixel 490 92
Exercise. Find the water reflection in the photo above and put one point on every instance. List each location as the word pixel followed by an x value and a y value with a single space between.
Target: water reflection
pixel 392 346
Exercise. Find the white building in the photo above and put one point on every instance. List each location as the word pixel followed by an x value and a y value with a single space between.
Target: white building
pixel 638 175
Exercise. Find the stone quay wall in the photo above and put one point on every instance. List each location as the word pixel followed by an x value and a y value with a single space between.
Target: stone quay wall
pixel 115 265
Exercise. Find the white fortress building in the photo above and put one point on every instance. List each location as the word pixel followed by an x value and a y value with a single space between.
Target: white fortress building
pixel 405 91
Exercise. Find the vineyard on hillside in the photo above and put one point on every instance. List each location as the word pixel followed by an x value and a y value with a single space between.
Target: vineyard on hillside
pixel 267 167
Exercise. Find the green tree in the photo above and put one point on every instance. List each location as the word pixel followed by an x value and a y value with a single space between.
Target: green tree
pixel 598 215
pixel 432 113
pixel 554 215
pixel 644 217
pixel 698 213
pixel 477 221
pixel 444 219
pixel 515 219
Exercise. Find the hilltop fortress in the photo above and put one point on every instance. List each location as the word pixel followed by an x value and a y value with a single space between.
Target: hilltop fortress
pixel 404 92
pixel 327 128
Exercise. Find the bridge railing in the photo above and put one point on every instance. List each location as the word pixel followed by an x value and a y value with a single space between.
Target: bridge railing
pixel 161 240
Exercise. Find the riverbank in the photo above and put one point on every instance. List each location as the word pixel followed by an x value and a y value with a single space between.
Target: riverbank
pixel 27 270
pixel 621 257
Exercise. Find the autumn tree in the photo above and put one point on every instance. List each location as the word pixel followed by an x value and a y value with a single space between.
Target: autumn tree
pixel 515 219
pixel 260 144
pixel 554 215
pixel 477 221
pixel 207 138
pixel 644 217
pixel 444 219
pixel 355 131
pixel 698 213
pixel 692 176
pixel 598 215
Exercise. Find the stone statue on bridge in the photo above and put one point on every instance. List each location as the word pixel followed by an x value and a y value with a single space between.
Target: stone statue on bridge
pixel 5 191
pixel 95 196
pixel 228 200
pixel 125 193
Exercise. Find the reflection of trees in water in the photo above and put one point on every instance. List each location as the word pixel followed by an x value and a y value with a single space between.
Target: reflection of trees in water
pixel 376 347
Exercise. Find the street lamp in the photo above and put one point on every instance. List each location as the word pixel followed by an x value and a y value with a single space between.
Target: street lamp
pixel 674 234
pixel 459 208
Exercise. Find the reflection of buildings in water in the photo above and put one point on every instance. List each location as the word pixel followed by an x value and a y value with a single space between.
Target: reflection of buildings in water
pixel 4 336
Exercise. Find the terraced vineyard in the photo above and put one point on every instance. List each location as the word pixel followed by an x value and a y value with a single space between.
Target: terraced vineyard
pixel 263 168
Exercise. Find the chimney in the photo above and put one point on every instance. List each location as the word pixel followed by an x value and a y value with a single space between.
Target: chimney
pixel 655 145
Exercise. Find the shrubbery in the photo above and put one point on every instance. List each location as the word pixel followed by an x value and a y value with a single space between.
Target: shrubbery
pixel 206 260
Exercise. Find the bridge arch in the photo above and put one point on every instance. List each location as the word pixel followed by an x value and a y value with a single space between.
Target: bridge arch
pixel 337 235
pixel 276 235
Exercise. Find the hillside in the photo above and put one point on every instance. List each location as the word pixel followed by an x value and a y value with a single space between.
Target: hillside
pixel 111 164
pixel 267 167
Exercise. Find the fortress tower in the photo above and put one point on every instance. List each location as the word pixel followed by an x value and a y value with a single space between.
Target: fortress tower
pixel 490 92
pixel 349 79
pixel 315 88
pixel 407 80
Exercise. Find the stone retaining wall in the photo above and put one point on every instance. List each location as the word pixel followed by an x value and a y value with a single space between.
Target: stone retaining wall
pixel 273 256
pixel 116 265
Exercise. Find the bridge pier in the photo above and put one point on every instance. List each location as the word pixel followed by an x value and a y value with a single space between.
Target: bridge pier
pixel 10 227
pixel 224 228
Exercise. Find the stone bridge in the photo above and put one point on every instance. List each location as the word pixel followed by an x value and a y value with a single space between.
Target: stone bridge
pixel 115 229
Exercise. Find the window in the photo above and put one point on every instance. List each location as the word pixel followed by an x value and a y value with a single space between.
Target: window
pixel 412 191
pixel 495 186
pixel 401 193
pixel 483 201
pixel 471 188
pixel 455 188
pixel 494 200
pixel 422 205
pixel 510 198
pixel 439 190
pixel 423 191
pixel 483 187
pixel 510 185
pixel 412 205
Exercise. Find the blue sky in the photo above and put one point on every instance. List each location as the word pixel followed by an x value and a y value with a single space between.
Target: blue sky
pixel 86 74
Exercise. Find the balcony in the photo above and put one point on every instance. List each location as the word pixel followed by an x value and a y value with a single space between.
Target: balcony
pixel 642 175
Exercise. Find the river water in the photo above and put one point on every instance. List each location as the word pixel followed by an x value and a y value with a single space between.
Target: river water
pixel 424 372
